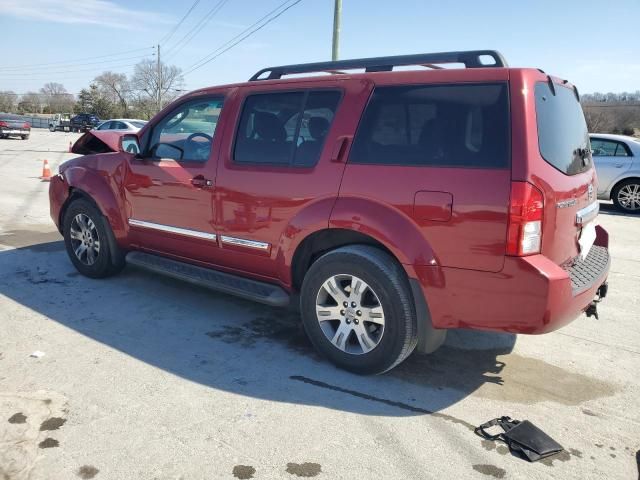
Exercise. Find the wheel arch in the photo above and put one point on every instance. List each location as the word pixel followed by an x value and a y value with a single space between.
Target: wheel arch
pixel 617 183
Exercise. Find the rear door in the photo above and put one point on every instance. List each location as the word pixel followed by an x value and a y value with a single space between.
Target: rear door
pixel 612 159
pixel 278 166
pixel 438 152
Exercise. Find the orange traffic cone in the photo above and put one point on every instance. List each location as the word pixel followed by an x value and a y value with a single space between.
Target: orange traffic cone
pixel 70 147
pixel 46 171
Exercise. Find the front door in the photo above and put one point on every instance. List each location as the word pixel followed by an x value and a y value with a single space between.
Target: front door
pixel 169 187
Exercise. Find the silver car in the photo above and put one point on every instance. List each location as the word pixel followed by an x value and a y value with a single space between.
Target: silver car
pixel 122 124
pixel 617 161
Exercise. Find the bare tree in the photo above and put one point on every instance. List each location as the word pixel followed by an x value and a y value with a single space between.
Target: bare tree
pixel 147 81
pixel 116 88
pixel 31 102
pixel 56 97
pixel 8 101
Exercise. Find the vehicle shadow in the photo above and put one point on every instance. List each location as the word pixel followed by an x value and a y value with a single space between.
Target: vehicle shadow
pixel 608 208
pixel 235 345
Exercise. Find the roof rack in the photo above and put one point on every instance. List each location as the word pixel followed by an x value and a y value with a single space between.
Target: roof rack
pixel 470 59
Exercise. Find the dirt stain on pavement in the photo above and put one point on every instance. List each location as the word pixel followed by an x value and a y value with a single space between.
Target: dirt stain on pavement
pixel 575 453
pixel 87 472
pixel 53 423
pixel 49 443
pixel 243 472
pixel 502 376
pixel 562 456
pixel 17 418
pixel 490 470
pixel 304 469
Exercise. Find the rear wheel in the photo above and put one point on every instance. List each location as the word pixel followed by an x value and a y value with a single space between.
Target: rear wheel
pixel 89 241
pixel 52 128
pixel 25 137
pixel 358 310
pixel 626 196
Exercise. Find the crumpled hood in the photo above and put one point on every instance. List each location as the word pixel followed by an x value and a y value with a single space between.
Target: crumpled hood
pixel 97 141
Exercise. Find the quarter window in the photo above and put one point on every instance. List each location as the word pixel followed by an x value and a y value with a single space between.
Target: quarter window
pixel 186 134
pixel 285 129
pixel 436 125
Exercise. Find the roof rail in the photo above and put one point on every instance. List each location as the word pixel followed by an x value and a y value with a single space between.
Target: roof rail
pixel 470 59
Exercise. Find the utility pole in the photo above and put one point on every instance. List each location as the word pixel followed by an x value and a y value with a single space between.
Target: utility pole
pixel 337 17
pixel 159 82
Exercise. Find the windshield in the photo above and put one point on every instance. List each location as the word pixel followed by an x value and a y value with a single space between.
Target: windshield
pixel 563 137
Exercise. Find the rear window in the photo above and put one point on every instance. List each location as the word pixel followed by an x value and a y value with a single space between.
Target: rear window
pixel 436 125
pixel 563 137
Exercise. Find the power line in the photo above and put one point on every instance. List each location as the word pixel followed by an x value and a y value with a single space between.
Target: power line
pixel 196 29
pixel 168 36
pixel 74 68
pixel 224 48
pixel 71 62
pixel 9 76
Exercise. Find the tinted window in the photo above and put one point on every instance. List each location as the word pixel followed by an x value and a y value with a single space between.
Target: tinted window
pixel 285 128
pixel 139 124
pixel 436 125
pixel 105 126
pixel 186 134
pixel 119 126
pixel 562 130
pixel 622 150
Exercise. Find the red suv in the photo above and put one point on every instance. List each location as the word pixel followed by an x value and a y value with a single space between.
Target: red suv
pixel 397 204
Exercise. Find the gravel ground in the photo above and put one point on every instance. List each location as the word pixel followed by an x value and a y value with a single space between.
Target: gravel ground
pixel 141 377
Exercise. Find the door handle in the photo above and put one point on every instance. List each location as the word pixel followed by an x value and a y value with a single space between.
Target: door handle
pixel 618 165
pixel 201 182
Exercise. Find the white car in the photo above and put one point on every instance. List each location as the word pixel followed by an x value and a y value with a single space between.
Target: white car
pixel 617 162
pixel 122 124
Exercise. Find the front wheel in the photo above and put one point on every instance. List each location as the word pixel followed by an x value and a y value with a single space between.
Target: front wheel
pixel 626 196
pixel 358 311
pixel 88 242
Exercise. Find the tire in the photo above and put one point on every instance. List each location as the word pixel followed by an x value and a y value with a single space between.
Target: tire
pixel 626 196
pixel 52 128
pixel 25 137
pixel 390 333
pixel 108 260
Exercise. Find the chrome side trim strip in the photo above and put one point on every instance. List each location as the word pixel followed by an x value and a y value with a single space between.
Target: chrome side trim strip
pixel 167 228
pixel 588 213
pixel 244 242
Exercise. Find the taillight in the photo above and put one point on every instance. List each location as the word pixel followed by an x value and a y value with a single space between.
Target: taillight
pixel 26 125
pixel 524 235
pixel 4 124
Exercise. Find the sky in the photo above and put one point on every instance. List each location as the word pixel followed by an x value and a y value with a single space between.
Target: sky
pixel 594 44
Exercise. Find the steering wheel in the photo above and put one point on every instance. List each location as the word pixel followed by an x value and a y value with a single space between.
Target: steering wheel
pixel 192 146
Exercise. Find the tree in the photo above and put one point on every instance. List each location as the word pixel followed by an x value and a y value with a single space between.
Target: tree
pixel 147 82
pixel 31 102
pixel 92 100
pixel 8 101
pixel 115 88
pixel 56 98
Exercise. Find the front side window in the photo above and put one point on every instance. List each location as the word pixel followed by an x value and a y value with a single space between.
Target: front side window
pixel 186 134
pixel 435 125
pixel 285 129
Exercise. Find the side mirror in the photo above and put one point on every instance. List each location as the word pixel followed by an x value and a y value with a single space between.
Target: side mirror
pixel 129 144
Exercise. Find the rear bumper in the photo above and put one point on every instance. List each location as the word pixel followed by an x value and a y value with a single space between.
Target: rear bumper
pixel 530 295
pixel 58 194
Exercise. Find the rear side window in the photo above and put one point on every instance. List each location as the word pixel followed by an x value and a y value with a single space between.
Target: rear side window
pixel 563 137
pixel 285 129
pixel 608 148
pixel 436 125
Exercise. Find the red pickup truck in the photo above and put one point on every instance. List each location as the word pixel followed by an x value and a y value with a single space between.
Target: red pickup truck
pixel 397 203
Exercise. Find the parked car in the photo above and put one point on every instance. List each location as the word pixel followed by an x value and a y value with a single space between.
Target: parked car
pixel 122 124
pixel 60 122
pixel 14 126
pixel 617 161
pixel 395 204
pixel 83 122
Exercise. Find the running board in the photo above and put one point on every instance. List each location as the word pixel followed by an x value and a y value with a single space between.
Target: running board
pixel 215 280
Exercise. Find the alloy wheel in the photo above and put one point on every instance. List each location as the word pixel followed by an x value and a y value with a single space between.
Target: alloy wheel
pixel 84 239
pixel 629 197
pixel 350 314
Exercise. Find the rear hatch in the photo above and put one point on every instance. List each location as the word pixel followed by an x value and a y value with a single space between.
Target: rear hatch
pixel 14 123
pixel 566 175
